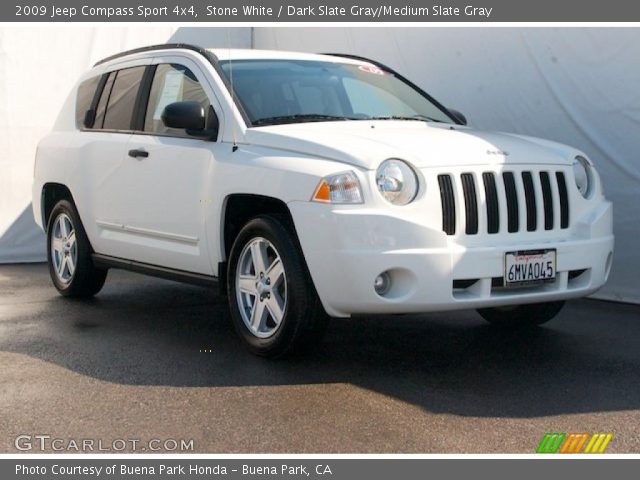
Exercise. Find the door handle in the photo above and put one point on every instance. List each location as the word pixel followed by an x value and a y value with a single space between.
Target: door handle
pixel 138 153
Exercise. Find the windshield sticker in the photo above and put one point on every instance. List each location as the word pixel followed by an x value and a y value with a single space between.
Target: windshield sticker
pixel 371 69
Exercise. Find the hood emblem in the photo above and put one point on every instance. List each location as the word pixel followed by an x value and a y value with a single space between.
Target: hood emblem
pixel 498 152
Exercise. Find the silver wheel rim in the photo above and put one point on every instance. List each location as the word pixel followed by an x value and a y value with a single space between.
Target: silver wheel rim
pixel 261 287
pixel 64 248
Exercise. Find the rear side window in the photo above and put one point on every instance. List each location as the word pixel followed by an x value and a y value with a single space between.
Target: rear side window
pixel 86 92
pixel 172 83
pixel 122 99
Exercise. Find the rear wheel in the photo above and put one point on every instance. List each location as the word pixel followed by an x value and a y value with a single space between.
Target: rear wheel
pixel 69 254
pixel 521 316
pixel 273 303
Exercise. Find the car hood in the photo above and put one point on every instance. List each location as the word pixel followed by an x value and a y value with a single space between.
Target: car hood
pixel 424 144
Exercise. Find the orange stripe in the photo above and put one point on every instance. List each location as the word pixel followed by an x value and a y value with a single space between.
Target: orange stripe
pixel 581 443
pixel 565 446
pixel 576 439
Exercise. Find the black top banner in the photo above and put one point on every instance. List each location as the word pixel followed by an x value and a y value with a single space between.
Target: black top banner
pixel 320 11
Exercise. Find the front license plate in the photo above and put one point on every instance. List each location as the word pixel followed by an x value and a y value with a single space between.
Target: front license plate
pixel 529 267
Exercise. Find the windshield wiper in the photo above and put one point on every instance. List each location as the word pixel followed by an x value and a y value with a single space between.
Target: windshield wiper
pixel 299 118
pixel 400 117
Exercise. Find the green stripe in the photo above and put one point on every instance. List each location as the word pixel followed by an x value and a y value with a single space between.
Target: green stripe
pixel 543 443
pixel 551 442
pixel 558 443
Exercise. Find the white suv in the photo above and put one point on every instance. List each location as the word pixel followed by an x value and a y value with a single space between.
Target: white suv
pixel 307 187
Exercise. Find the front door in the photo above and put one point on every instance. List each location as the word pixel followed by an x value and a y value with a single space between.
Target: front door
pixel 167 174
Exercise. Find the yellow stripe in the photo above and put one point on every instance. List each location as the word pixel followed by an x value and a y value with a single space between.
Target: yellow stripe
pixel 596 445
pixel 583 439
pixel 590 444
pixel 607 439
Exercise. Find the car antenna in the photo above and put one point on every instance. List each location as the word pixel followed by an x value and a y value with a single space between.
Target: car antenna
pixel 233 97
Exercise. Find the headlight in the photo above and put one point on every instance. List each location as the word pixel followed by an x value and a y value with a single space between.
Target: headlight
pixel 339 188
pixel 397 181
pixel 583 176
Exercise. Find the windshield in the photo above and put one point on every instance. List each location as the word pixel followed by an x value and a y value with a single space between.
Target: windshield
pixel 274 92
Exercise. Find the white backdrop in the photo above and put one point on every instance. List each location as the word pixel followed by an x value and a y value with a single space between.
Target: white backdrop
pixel 38 67
pixel 574 85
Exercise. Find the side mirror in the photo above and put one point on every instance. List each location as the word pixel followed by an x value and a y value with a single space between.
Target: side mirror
pixel 458 116
pixel 186 115
pixel 192 117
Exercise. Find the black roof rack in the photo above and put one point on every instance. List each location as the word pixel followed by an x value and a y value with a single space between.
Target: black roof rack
pixel 364 59
pixel 185 46
pixel 164 46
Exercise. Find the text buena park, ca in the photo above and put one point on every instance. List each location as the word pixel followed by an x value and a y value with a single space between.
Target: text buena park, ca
pixel 169 470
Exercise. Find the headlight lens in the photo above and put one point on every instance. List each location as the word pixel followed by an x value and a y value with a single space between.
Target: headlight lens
pixel 397 181
pixel 583 176
pixel 339 188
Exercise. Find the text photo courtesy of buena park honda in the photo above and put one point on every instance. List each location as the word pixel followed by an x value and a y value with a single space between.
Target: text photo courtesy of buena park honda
pixel 256 239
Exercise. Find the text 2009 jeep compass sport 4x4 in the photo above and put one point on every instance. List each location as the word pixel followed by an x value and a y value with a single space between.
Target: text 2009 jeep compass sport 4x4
pixel 311 186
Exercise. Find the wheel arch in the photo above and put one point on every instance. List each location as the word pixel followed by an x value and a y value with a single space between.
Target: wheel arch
pixel 51 194
pixel 239 208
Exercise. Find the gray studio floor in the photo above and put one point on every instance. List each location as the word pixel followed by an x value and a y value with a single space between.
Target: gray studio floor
pixel 132 364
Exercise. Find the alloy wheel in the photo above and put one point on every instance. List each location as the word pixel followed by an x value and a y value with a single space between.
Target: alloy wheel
pixel 64 248
pixel 261 287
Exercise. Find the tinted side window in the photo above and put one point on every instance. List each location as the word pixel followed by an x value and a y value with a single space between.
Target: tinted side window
pixel 123 98
pixel 86 92
pixel 171 83
pixel 101 108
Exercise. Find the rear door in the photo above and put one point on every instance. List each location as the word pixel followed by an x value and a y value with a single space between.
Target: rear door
pixel 99 188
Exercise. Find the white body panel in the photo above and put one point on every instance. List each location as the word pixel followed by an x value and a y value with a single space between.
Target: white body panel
pixel 168 209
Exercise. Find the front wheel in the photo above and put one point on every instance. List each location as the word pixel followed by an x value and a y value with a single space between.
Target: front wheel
pixel 521 316
pixel 274 306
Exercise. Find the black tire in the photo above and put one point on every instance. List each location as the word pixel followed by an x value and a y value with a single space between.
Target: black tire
pixel 304 319
pixel 86 280
pixel 521 316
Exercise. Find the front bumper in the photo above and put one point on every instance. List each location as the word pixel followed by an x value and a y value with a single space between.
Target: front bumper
pixel 347 248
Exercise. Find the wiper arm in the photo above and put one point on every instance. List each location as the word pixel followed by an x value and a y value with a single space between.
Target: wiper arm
pixel 300 117
pixel 401 117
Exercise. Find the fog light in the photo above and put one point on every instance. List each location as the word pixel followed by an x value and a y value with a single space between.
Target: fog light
pixel 382 283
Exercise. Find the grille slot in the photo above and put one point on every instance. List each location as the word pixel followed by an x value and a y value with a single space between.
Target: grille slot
pixel 530 200
pixel 546 200
pixel 512 201
pixel 491 194
pixel 447 198
pixel 470 203
pixel 564 200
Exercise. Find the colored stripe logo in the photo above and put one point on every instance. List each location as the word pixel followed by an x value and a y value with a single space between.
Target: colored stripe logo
pixel 574 443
